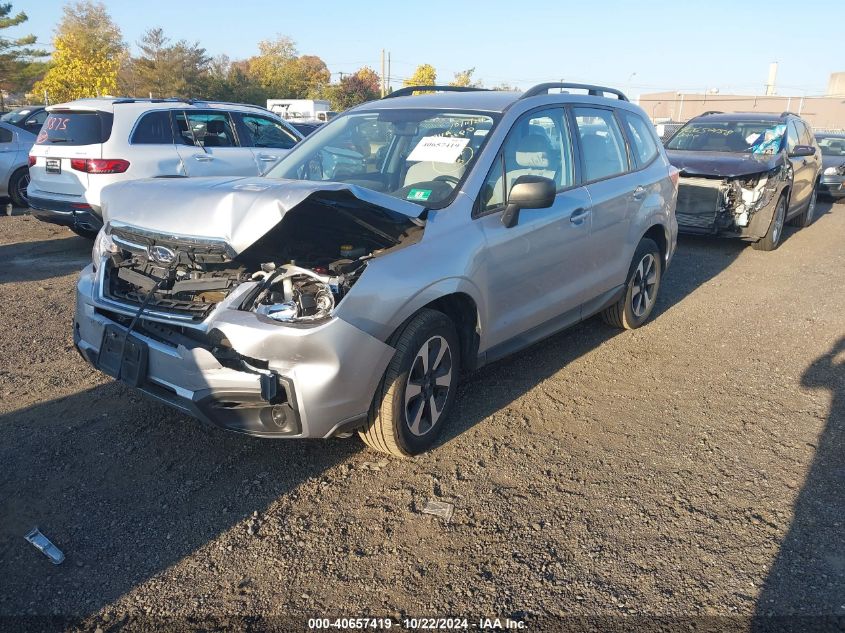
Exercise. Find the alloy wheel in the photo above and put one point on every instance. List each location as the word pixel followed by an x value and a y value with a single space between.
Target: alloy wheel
pixel 644 285
pixel 780 214
pixel 428 385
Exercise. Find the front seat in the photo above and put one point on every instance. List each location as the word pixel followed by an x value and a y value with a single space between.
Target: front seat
pixel 426 171
pixel 216 134
pixel 533 155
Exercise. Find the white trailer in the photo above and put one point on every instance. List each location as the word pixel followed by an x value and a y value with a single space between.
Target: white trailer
pixel 301 109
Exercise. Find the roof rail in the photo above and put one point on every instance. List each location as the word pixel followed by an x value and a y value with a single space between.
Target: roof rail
pixel 595 91
pixel 788 113
pixel 709 112
pixel 407 90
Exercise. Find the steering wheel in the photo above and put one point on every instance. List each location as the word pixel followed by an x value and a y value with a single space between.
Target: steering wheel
pixel 447 178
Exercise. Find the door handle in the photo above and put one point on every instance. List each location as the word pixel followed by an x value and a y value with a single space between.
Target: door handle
pixel 267 157
pixel 203 158
pixel 579 215
pixel 639 193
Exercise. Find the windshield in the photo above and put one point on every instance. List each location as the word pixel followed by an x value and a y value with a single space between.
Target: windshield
pixel 16 116
pixel 832 145
pixel 414 154
pixel 741 137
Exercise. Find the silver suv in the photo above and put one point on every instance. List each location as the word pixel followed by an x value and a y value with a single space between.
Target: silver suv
pixel 405 243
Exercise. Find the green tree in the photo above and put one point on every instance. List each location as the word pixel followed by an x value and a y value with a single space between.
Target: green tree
pixel 18 68
pixel 88 54
pixel 282 73
pixel 362 85
pixel 165 70
pixel 424 75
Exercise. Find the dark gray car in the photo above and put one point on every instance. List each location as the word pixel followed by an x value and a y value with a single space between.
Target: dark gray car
pixel 406 242
pixel 832 182
pixel 745 174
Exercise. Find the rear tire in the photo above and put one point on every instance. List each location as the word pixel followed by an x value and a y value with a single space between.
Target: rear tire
pixel 641 288
pixel 771 240
pixel 806 217
pixel 416 394
pixel 18 184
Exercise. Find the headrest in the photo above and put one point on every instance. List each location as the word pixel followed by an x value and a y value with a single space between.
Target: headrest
pixel 533 151
pixel 216 126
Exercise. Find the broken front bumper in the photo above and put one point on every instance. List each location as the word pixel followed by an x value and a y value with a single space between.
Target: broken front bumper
pixel 285 381
pixel 702 210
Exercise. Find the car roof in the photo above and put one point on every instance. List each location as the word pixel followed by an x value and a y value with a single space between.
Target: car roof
pixel 830 134
pixel 743 116
pixel 137 105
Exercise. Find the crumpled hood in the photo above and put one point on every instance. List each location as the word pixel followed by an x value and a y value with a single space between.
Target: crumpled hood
pixel 722 164
pixel 237 210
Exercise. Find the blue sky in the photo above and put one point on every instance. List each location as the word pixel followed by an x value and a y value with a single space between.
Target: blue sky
pixel 638 46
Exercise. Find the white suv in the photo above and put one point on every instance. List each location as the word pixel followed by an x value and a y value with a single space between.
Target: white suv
pixel 90 143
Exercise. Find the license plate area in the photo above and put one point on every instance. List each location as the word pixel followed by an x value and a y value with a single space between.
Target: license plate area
pixel 53 165
pixel 127 360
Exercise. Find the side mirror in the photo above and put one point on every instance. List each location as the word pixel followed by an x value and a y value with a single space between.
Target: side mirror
pixel 803 150
pixel 528 192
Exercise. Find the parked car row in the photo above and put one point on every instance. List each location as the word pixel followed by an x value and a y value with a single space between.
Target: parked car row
pixel 15 143
pixel 346 281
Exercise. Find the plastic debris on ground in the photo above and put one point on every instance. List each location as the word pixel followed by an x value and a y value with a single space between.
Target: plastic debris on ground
pixel 45 545
pixel 441 509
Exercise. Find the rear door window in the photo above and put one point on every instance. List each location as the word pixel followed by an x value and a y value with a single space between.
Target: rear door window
pixel 265 132
pixel 6 136
pixel 75 128
pixel 641 137
pixel 203 128
pixel 153 128
pixel 602 147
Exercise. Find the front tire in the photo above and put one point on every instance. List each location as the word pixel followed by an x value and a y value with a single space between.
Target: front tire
pixel 771 240
pixel 415 396
pixel 641 288
pixel 805 218
pixel 18 184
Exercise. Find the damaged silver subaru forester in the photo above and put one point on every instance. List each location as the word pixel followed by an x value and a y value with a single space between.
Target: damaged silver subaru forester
pixel 405 243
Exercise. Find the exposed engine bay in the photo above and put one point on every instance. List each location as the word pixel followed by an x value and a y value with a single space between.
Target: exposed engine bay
pixel 297 272
pixel 713 205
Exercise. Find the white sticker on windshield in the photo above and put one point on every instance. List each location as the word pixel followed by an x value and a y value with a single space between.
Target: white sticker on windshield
pixel 752 138
pixel 438 149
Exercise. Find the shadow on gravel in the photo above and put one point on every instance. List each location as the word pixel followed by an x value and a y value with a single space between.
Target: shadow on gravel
pixel 808 574
pixel 42 259
pixel 126 493
pixel 494 387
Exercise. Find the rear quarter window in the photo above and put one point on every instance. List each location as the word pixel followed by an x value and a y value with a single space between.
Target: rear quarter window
pixel 153 128
pixel 75 128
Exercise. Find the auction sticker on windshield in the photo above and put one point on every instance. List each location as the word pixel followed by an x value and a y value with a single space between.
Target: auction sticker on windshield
pixel 438 149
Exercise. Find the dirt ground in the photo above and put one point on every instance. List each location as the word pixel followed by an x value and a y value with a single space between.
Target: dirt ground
pixel 692 468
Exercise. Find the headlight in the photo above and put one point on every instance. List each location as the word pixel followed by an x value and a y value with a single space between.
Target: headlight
pixel 103 246
pixel 835 171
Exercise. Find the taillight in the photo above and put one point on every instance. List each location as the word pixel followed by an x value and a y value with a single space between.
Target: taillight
pixel 32 160
pixel 674 175
pixel 99 165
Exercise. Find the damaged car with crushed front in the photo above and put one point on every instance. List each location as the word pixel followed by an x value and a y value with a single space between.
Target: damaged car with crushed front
pixel 745 175
pixel 405 243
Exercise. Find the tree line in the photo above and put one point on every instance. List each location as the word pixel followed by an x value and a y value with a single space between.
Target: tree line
pixel 90 59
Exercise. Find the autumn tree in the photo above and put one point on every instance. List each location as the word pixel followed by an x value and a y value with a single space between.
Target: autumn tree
pixel 88 54
pixel 164 69
pixel 362 85
pixel 18 65
pixel 463 79
pixel 424 75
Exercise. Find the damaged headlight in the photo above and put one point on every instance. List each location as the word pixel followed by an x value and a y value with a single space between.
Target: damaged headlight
pixel 103 247
pixel 835 171
pixel 295 295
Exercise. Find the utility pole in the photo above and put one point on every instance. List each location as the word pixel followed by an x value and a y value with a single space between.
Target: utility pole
pixel 387 89
pixel 382 73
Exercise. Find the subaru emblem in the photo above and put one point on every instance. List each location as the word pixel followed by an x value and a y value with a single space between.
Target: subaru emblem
pixel 162 254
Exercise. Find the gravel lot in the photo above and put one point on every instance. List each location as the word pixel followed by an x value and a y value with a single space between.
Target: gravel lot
pixel 694 467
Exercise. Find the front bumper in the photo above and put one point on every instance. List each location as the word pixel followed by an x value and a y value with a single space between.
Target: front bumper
pixel 724 224
pixel 291 382
pixel 78 215
pixel 833 186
